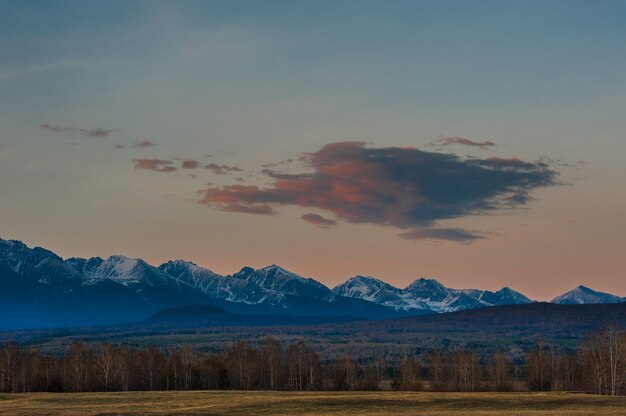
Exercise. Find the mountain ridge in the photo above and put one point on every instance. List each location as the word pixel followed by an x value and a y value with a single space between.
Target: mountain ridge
pixel 52 291
pixel 582 294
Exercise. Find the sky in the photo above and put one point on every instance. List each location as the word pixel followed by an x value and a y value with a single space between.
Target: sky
pixel 478 143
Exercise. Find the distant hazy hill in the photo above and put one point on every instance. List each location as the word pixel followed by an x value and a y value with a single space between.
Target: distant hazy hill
pixel 193 316
pixel 540 317
pixel 512 328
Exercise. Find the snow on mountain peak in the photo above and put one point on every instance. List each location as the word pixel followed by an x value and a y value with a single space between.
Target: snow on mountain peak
pixel 583 295
pixel 426 294
pixel 273 268
pixel 17 256
pixel 431 289
pixel 276 279
pixel 270 285
pixel 118 268
pixel 508 295
pixel 122 265
pixel 183 265
pixel 377 291
pixel 179 267
pixel 363 287
pixel 425 284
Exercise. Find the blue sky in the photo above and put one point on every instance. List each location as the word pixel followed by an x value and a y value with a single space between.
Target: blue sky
pixel 257 83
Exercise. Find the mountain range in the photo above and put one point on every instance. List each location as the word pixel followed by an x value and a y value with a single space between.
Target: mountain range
pixel 40 289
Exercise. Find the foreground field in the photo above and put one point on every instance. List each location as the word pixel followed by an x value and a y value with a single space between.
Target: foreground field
pixel 316 403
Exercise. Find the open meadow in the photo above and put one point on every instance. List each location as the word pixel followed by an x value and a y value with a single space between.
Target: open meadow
pixel 309 403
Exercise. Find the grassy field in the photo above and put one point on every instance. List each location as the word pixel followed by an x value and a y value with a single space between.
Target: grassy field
pixel 317 403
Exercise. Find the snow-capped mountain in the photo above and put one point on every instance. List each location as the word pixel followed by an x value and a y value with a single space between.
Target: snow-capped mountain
pixel 39 288
pixel 426 294
pixel 269 285
pixel 278 280
pixel 36 265
pixel 428 289
pixel 120 269
pixel 377 291
pixel 584 295
pixel 205 280
pixel 16 256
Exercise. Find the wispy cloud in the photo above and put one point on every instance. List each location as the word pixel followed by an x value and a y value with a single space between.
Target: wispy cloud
pixel 218 153
pixel 157 165
pixel 95 133
pixel 275 164
pixel 140 144
pixel 278 175
pixel 190 164
pixel 452 140
pixel 166 165
pixel 56 129
pixel 559 162
pixel 222 169
pixel 318 220
pixel 404 188
pixel 450 234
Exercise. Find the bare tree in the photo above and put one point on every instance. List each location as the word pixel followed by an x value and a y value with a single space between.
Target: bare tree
pixel 303 366
pixel 380 364
pixel 187 360
pixel 537 367
pixel 76 367
pixel 242 359
pixel 104 361
pixel 465 370
pixel 273 364
pixel 500 371
pixel 437 366
pixel 409 374
pixel 568 370
pixel 603 355
pixel 126 368
pixel 601 363
pixel 151 367
pixel 9 357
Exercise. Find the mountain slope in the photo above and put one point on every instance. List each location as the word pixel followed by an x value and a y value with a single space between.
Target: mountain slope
pixel 40 289
pixel 275 279
pixel 377 291
pixel 584 295
pixel 426 295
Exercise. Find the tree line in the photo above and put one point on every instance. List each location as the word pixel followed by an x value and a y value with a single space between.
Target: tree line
pixel 598 366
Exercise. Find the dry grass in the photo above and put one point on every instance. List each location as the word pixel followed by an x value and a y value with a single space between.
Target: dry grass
pixel 316 403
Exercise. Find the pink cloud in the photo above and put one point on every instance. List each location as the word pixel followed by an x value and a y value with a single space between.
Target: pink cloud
pixel 404 188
